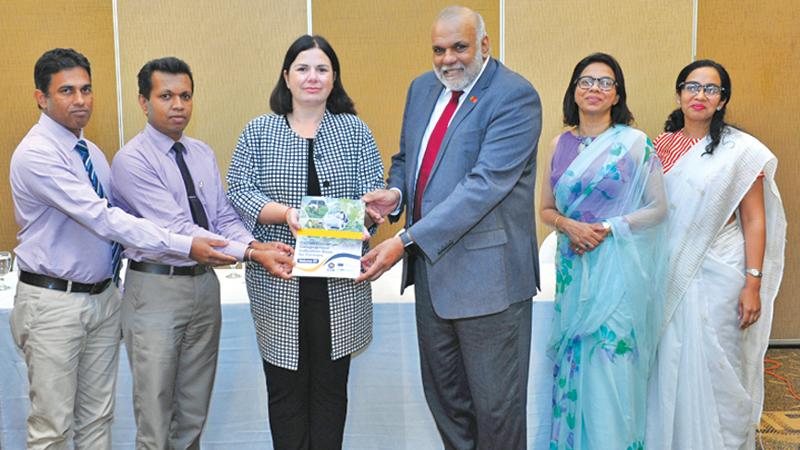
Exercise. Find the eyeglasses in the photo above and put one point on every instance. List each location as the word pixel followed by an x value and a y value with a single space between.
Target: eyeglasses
pixel 694 88
pixel 604 83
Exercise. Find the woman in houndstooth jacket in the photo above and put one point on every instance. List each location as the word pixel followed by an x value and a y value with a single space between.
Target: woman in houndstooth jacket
pixel 307 328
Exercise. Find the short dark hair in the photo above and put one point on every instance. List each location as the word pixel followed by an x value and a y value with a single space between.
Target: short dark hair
pixel 620 114
pixel 54 61
pixel 169 64
pixel 675 121
pixel 338 101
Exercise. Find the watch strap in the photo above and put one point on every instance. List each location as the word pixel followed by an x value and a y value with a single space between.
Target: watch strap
pixel 405 238
pixel 753 272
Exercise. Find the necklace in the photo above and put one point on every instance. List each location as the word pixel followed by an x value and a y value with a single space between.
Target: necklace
pixel 586 140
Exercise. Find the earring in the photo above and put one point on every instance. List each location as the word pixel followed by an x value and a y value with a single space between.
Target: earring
pixel 719 108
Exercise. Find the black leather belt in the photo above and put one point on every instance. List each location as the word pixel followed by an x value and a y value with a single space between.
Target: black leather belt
pixel 164 269
pixel 60 284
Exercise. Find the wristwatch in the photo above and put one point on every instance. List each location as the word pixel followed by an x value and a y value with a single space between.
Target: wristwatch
pixel 753 272
pixel 405 238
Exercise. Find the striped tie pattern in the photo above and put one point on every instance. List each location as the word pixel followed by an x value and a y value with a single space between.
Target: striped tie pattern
pixel 116 248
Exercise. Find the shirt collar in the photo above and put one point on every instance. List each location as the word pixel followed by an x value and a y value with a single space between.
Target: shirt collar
pixel 163 142
pixel 59 131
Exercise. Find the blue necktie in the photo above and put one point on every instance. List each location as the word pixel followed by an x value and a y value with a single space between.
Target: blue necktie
pixel 116 248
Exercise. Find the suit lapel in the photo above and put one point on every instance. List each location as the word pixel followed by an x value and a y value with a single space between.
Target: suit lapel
pixel 416 132
pixel 464 110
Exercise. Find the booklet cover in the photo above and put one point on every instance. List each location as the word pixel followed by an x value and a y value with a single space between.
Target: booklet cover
pixel 329 240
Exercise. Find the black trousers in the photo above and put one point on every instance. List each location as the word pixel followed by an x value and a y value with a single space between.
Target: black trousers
pixel 307 407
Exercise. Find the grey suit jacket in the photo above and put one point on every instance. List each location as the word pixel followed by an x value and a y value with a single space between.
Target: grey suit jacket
pixel 478 231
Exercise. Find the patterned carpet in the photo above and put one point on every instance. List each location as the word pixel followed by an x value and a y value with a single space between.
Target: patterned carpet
pixel 780 422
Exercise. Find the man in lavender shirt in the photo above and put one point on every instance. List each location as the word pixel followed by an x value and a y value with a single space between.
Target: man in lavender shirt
pixel 66 317
pixel 171 314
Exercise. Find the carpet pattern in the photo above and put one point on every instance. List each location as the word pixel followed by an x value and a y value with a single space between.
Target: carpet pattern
pixel 780 421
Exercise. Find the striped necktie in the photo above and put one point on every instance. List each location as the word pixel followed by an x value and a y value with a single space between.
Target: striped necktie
pixel 116 248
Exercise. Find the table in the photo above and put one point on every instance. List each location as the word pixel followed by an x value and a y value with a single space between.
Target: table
pixel 386 410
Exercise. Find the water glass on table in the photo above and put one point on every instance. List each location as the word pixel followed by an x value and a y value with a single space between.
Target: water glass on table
pixel 234 271
pixel 5 269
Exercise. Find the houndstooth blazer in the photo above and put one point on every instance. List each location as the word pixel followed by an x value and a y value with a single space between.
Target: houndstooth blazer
pixel 270 165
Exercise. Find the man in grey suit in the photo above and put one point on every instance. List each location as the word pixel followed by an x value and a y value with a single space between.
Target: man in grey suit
pixel 465 174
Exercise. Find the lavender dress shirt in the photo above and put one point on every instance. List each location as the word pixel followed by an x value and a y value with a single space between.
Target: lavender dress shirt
pixel 66 230
pixel 147 183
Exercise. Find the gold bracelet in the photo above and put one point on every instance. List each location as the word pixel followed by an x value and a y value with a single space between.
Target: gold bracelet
pixel 555 225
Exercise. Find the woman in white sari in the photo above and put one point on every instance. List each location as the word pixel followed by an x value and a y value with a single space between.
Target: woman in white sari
pixel 726 236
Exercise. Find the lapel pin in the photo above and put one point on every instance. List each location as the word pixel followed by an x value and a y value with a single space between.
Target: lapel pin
pixel 473 99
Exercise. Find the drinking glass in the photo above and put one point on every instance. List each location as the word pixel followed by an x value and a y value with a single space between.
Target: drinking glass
pixel 5 268
pixel 234 271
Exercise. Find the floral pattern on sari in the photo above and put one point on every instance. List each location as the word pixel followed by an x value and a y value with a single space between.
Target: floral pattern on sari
pixel 602 302
pixel 565 392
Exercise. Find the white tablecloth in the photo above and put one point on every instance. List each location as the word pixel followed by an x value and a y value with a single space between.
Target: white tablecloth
pixel 386 409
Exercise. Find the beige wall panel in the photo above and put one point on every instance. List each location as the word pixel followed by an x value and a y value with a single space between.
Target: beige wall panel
pixel 235 49
pixel 382 47
pixel 29 28
pixel 759 45
pixel 651 40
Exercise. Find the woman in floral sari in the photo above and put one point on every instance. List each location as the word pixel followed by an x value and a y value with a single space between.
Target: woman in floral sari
pixel 605 197
pixel 726 229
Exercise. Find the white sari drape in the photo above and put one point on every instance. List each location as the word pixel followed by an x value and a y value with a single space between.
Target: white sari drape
pixel 706 391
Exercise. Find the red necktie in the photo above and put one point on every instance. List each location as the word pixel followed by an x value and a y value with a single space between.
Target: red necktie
pixel 432 149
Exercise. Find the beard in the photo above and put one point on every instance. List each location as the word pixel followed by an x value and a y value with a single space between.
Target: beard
pixel 469 74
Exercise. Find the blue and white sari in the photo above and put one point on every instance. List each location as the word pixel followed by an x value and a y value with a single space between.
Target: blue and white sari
pixel 609 301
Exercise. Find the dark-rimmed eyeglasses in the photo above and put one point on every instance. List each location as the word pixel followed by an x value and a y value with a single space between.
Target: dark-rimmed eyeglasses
pixel 694 88
pixel 604 83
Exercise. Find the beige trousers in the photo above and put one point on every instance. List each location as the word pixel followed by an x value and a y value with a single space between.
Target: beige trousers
pixel 70 342
pixel 171 327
